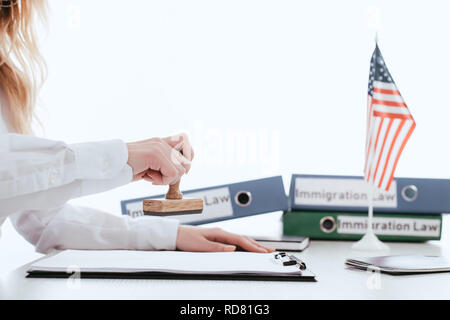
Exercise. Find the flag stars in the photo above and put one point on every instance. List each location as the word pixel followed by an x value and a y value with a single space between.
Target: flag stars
pixel 378 70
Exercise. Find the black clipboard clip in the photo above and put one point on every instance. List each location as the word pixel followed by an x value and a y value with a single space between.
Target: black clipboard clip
pixel 290 260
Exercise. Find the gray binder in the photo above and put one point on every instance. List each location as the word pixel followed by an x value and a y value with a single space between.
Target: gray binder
pixel 224 202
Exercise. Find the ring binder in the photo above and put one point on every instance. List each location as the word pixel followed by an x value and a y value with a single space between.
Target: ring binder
pixel 350 194
pixel 329 225
pixel 225 202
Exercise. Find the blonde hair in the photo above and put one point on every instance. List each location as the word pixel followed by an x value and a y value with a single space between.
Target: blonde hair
pixel 22 69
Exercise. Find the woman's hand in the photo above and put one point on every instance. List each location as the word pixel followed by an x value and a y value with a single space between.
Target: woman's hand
pixel 161 161
pixel 197 239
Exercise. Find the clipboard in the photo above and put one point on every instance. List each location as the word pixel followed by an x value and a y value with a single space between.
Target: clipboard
pixel 122 264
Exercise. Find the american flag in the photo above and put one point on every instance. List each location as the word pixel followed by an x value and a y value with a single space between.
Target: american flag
pixel 389 125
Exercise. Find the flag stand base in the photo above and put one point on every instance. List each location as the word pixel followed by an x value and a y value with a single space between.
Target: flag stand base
pixel 370 242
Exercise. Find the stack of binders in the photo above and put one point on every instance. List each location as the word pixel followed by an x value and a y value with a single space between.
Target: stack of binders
pixel 325 207
pixel 335 208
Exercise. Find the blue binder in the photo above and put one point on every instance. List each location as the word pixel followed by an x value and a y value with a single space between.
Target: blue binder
pixel 349 193
pixel 226 202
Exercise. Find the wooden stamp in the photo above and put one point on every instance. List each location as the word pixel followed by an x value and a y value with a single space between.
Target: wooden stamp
pixel 173 205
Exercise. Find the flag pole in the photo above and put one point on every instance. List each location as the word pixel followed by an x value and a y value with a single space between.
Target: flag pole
pixel 371 191
pixel 370 242
pixel 370 218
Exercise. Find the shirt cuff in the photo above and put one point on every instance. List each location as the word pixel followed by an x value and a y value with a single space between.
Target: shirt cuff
pixel 100 160
pixel 154 233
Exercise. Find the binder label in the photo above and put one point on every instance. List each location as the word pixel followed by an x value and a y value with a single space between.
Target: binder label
pixel 390 226
pixel 341 192
pixel 217 204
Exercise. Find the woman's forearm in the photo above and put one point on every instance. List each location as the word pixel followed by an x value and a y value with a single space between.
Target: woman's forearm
pixel 72 227
pixel 39 174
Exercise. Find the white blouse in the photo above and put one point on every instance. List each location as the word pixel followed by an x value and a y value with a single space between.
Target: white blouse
pixel 39 176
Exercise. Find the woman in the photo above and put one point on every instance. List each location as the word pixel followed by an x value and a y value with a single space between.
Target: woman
pixel 38 176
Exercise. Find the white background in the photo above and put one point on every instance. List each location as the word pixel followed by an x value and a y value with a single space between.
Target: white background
pixel 262 87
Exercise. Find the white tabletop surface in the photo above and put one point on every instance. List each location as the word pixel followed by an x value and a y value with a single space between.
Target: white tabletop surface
pixel 324 258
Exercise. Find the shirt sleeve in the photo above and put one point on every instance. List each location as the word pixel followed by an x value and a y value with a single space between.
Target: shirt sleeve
pixel 72 227
pixel 39 174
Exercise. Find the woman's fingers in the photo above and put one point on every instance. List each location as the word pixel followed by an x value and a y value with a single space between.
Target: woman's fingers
pixel 215 240
pixel 260 245
pixel 154 177
pixel 243 242
pixel 171 157
pixel 181 143
pixel 248 245
pixel 211 246
pixel 170 166
pixel 179 158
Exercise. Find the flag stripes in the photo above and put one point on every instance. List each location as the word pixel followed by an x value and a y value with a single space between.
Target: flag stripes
pixel 389 125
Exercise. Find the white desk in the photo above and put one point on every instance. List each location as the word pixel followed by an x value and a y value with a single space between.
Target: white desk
pixel 324 258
